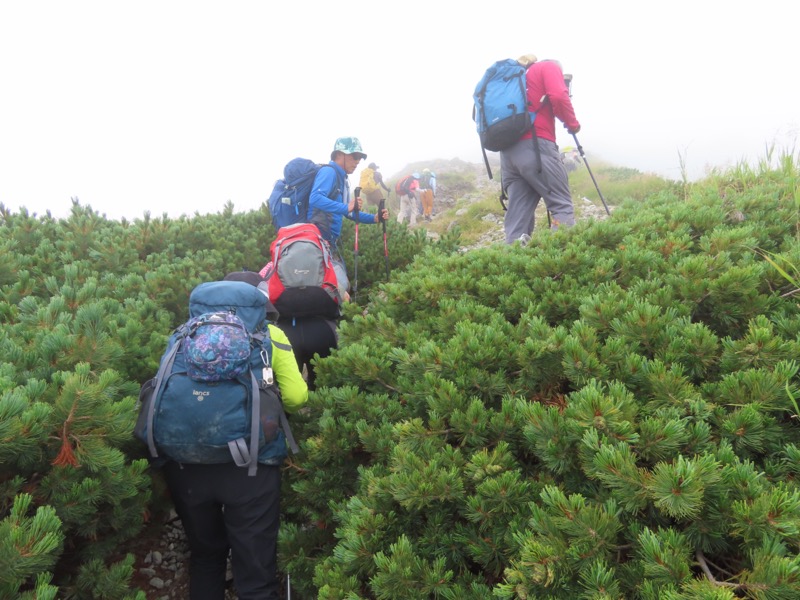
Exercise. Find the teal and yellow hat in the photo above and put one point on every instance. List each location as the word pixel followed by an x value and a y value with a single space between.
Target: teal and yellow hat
pixel 349 145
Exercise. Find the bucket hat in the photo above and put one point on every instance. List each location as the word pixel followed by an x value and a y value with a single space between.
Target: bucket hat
pixel 349 145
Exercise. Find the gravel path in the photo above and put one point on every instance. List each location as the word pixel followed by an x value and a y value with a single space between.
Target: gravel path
pixel 162 562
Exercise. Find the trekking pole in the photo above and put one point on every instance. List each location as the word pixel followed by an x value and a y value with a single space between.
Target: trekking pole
pixel 356 195
pixel 381 206
pixel 597 187
pixel 288 587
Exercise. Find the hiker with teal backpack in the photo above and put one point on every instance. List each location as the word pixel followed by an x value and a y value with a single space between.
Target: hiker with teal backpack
pixel 516 103
pixel 330 202
pixel 213 418
pixel 531 168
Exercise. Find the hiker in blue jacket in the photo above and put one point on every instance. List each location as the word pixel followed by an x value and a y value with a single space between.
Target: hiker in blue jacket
pixel 327 213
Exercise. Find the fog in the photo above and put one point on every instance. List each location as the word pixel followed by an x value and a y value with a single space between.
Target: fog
pixel 179 107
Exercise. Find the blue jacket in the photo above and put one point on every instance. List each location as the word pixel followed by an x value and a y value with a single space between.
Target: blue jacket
pixel 326 208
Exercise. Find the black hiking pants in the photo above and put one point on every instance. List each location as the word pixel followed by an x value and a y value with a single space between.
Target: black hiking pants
pixel 310 336
pixel 223 509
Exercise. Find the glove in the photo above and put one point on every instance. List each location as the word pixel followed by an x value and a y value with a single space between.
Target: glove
pixel 573 130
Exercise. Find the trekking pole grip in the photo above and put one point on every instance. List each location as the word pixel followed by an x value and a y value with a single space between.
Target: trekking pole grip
pixel 356 195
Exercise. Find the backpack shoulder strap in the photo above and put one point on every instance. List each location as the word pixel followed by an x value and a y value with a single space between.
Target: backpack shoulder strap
pixel 242 456
pixel 163 370
pixel 339 186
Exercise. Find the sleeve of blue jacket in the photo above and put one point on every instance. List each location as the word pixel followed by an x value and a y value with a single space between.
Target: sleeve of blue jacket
pixel 324 183
pixel 362 217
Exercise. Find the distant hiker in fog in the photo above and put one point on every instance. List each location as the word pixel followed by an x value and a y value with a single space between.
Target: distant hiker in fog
pixel 371 183
pixel 532 168
pixel 427 192
pixel 407 190
pixel 571 159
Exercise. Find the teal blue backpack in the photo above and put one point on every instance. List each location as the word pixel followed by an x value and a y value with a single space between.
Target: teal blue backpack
pixel 214 398
pixel 500 107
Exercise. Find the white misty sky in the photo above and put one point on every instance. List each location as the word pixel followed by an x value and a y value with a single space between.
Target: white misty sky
pixel 177 106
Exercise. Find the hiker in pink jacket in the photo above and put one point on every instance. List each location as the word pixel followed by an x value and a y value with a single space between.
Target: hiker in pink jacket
pixel 532 168
pixel 407 190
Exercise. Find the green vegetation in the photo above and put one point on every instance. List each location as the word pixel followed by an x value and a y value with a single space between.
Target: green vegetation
pixel 86 306
pixel 477 210
pixel 609 412
pixel 617 184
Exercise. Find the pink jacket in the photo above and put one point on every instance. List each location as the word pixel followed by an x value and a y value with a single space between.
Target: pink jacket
pixel 412 187
pixel 546 78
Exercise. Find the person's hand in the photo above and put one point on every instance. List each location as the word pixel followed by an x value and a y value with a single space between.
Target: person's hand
pixel 355 203
pixel 382 215
pixel 573 130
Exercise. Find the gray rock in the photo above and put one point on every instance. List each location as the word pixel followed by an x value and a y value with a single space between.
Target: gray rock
pixel 157 583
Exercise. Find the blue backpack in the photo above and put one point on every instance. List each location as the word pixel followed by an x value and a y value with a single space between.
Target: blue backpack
pixel 288 202
pixel 501 112
pixel 214 398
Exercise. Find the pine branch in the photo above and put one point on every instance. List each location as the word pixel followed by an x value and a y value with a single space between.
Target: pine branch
pixel 701 559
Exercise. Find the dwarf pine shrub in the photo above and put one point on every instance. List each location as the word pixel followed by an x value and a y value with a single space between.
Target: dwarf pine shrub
pixel 608 412
pixel 86 306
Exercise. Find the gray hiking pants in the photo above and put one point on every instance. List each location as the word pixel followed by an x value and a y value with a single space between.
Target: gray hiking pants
pixel 525 186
